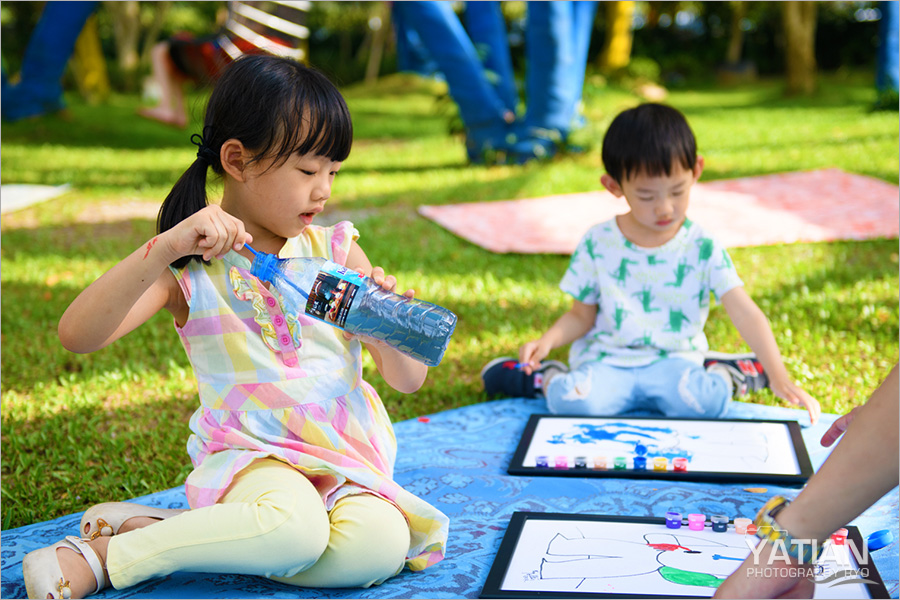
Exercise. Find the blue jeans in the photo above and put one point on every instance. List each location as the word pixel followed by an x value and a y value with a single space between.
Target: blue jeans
pixel 674 386
pixel 888 57
pixel 52 42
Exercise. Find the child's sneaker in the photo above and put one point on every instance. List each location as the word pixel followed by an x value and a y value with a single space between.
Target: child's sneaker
pixel 744 370
pixel 502 376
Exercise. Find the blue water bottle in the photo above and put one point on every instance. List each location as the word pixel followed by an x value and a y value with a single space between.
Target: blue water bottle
pixel 345 299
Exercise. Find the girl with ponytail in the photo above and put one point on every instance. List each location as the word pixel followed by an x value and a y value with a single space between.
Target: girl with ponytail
pixel 293 451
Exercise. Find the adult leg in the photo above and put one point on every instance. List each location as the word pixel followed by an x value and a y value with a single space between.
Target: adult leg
pixel 556 46
pixel 887 64
pixel 592 389
pixel 480 107
pixel 583 13
pixel 368 544
pixel 487 29
pixel 39 90
pixel 412 56
pixel 681 388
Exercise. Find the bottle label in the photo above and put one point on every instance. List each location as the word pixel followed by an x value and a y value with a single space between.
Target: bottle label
pixel 332 294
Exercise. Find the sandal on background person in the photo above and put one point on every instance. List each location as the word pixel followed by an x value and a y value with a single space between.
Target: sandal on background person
pixel 43 574
pixel 107 518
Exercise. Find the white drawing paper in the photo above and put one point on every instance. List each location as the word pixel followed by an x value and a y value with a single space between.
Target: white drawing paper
pixel 644 559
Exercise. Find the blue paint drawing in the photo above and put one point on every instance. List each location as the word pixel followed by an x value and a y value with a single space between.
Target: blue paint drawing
pixel 728 447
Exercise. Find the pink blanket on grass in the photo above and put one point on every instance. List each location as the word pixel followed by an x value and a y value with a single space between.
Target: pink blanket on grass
pixel 807 206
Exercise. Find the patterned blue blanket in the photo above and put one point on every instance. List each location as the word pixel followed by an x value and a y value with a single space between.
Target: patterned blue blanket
pixel 457 461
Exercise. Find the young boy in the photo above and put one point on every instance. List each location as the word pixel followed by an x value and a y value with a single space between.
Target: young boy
pixel 641 285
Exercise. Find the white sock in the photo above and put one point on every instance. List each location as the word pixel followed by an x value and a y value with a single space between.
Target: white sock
pixel 724 374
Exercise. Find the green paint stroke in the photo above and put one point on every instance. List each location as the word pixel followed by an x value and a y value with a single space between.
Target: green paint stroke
pixel 690 577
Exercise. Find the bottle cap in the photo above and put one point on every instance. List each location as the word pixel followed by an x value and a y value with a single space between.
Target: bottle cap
pixel 879 539
pixel 263 265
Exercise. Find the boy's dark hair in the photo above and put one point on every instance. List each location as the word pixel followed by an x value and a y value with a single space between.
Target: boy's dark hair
pixel 275 106
pixel 648 139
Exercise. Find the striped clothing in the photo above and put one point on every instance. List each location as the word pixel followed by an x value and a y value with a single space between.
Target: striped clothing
pixel 290 387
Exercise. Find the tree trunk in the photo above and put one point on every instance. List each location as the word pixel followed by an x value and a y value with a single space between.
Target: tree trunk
pixel 379 39
pixel 736 39
pixel 616 52
pixel 152 34
pixel 800 36
pixel 126 31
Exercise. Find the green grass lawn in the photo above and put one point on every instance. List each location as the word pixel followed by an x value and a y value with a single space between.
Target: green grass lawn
pixel 112 425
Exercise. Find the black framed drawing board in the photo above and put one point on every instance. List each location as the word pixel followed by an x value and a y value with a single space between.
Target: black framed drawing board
pixel 714 450
pixel 549 555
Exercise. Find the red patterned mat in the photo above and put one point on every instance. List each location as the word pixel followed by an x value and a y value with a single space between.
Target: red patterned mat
pixel 810 206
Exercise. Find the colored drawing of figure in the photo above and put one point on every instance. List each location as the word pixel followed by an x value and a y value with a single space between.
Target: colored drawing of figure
pixel 679 559
pixel 728 445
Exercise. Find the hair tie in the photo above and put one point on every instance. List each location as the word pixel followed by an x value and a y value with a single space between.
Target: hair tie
pixel 204 152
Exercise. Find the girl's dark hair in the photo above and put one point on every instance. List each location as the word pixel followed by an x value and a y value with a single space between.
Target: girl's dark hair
pixel 275 107
pixel 648 139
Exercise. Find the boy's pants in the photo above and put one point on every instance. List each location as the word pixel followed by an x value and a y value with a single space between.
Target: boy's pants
pixel 674 386
pixel 270 522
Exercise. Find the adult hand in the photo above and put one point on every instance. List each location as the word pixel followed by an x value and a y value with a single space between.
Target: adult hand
pixel 838 428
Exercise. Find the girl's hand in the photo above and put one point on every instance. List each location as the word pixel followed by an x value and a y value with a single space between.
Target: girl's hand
pixel 531 354
pixel 838 428
pixel 210 232
pixel 790 391
pixel 388 283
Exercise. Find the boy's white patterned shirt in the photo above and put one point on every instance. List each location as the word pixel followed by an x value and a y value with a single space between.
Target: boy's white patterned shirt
pixel 652 302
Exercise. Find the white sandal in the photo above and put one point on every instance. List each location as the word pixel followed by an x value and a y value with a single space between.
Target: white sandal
pixel 43 575
pixel 106 519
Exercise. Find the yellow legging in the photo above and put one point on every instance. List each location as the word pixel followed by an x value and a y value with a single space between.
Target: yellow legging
pixel 270 522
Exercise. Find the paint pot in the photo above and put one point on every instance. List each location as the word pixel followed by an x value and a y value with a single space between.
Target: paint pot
pixel 620 463
pixel 640 463
pixel 600 462
pixel 719 523
pixel 561 462
pixel 581 462
pixel 879 539
pixel 740 525
pixel 840 536
pixel 680 463
pixel 673 520
pixel 751 529
pixel 541 462
pixel 660 463
pixel 696 521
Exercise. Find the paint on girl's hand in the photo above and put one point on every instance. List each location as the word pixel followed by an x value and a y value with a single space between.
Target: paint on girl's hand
pixel 150 244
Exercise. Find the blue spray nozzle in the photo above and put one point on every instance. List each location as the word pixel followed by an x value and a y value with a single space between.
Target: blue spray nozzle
pixel 265 266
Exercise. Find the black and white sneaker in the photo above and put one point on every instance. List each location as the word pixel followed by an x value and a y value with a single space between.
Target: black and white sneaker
pixel 504 377
pixel 744 370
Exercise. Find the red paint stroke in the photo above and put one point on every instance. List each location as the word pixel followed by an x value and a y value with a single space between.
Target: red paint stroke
pixel 149 245
pixel 667 547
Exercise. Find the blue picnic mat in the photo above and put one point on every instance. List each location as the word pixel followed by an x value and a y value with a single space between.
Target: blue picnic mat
pixel 457 461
